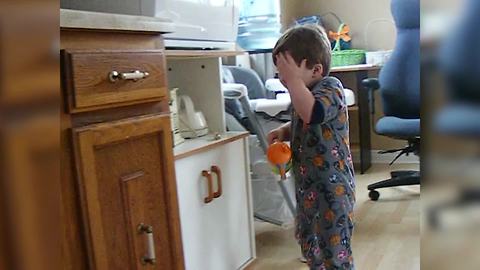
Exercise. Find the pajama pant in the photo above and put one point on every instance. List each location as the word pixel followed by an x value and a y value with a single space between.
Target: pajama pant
pixel 324 222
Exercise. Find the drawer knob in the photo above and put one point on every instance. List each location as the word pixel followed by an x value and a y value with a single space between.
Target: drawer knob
pixel 134 76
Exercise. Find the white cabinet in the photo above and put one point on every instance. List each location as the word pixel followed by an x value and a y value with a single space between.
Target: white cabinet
pixel 217 235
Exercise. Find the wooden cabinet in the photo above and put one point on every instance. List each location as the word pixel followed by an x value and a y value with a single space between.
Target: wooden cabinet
pixel 124 168
pixel 217 234
pixel 119 196
pixel 120 203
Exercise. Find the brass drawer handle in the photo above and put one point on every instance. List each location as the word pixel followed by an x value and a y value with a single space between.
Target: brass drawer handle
pixel 218 172
pixel 134 76
pixel 208 175
pixel 149 258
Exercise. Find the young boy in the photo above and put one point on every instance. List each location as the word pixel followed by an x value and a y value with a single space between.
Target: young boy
pixel 322 162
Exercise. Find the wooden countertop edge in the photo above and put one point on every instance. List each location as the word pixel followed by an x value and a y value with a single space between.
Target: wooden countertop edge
pixel 211 146
pixel 182 54
pixel 353 68
pixel 90 20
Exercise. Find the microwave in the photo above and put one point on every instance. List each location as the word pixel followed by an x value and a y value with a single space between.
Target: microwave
pixel 204 24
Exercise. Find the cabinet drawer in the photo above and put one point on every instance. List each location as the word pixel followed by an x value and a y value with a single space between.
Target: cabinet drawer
pixel 96 79
pixel 217 230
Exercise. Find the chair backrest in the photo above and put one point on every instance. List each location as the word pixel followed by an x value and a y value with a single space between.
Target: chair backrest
pixel 460 59
pixel 250 79
pixel 400 77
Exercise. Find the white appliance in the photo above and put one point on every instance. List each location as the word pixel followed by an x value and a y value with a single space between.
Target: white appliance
pixel 204 24
pixel 192 124
pixel 200 23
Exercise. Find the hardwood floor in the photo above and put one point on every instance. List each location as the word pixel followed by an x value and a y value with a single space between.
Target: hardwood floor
pixel 387 232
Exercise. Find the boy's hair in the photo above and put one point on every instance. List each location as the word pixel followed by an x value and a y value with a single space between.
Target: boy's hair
pixel 306 42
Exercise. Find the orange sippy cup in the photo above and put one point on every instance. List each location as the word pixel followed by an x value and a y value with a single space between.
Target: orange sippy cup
pixel 279 154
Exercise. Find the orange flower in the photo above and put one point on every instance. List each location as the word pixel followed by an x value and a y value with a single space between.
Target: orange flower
pixel 326 101
pixel 305 247
pixel 341 164
pixel 339 93
pixel 329 215
pixel 340 190
pixel 335 240
pixel 318 161
pixel 350 216
pixel 346 140
pixel 327 133
pixel 342 117
pixel 308 204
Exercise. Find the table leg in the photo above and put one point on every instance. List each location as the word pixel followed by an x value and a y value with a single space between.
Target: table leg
pixel 364 123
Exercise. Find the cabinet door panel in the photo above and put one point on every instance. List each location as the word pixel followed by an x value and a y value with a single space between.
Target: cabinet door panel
pixel 126 178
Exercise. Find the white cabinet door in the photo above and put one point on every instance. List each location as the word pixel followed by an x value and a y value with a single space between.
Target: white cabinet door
pixel 217 235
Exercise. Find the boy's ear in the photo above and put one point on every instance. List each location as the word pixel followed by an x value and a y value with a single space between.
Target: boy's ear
pixel 318 69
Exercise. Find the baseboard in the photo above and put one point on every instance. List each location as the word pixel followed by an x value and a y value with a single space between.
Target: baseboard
pixel 387 158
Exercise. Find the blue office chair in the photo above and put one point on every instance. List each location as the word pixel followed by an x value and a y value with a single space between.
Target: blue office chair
pixel 459 60
pixel 399 85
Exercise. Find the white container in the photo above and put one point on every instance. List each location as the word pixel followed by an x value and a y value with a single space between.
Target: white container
pixel 378 58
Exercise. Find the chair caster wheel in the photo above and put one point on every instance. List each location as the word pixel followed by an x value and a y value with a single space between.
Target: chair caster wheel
pixel 374 195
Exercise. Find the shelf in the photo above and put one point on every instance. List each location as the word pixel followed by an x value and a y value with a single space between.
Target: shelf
pixel 353 108
pixel 201 53
pixel 363 67
pixel 205 143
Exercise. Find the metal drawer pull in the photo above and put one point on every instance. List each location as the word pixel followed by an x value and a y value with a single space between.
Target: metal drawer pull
pixel 208 175
pixel 149 258
pixel 218 172
pixel 134 76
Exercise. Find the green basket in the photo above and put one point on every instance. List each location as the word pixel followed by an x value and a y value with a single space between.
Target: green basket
pixel 346 57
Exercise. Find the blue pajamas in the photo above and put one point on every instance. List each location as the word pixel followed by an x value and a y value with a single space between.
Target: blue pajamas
pixel 324 177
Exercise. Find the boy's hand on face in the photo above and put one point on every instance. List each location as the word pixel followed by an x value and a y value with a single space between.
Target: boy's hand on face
pixel 288 69
pixel 294 76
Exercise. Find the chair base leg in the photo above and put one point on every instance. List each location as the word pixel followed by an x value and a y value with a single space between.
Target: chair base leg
pixel 395 174
pixel 399 178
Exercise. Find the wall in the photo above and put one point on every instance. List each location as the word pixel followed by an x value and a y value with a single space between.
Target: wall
pixel 356 13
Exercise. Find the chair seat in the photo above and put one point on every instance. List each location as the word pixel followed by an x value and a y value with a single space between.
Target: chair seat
pixel 398 127
pixel 459 119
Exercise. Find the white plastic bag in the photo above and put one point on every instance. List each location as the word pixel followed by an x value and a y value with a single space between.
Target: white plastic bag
pixel 269 203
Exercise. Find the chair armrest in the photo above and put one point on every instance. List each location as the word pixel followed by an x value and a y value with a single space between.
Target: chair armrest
pixel 371 84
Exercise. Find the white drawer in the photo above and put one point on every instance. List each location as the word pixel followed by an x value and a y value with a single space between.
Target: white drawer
pixel 217 235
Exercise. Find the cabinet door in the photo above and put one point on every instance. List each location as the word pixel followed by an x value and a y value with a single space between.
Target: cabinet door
pixel 218 235
pixel 126 178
